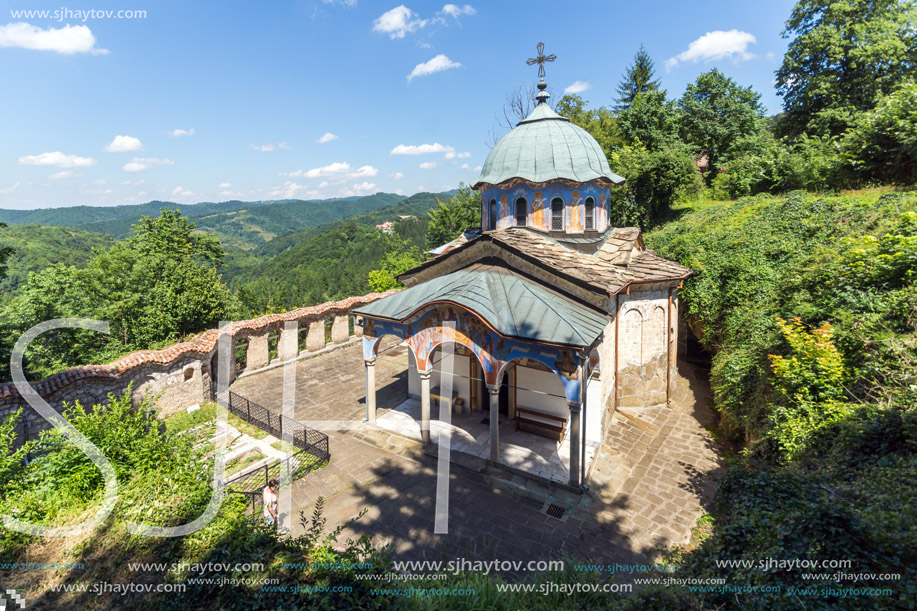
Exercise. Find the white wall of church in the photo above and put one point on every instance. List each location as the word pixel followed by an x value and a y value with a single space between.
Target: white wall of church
pixel 461 369
pixel 548 395
pixel 593 409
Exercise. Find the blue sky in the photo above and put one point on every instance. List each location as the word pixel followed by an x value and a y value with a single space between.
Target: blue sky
pixel 231 100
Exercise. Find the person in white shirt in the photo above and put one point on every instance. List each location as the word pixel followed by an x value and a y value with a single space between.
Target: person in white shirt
pixel 269 496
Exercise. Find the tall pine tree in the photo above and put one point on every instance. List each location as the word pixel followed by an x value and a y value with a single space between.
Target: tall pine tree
pixel 637 78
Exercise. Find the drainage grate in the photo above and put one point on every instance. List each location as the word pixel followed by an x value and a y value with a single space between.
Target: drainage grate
pixel 555 511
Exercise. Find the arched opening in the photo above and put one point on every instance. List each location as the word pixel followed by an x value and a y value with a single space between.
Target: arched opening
pixel 493 214
pixel 521 212
pixel 590 214
pixel 394 366
pixel 557 214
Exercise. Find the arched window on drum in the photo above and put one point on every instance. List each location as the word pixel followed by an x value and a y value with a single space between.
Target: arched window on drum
pixel 493 214
pixel 521 211
pixel 590 213
pixel 557 214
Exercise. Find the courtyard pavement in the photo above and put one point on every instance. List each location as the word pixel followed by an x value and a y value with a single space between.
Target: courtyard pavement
pixel 652 477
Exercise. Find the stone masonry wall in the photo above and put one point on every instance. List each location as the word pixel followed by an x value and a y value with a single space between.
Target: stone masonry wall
pixel 180 375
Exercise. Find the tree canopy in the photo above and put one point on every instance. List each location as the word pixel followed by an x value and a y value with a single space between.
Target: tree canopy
pixel 718 115
pixel 449 219
pixel 842 57
pixel 637 79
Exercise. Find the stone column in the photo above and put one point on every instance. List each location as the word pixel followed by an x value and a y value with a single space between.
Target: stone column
pixel 425 405
pixel 288 342
pixel 370 390
pixel 257 355
pixel 494 392
pixel 358 326
pixel 340 331
pixel 574 436
pixel 315 340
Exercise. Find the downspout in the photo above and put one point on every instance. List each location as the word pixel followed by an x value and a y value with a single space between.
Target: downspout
pixel 668 354
pixel 584 371
pixel 617 316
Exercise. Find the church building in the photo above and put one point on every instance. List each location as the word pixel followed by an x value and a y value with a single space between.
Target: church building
pixel 556 317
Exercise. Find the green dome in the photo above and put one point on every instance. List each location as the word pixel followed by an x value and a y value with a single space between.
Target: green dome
pixel 543 147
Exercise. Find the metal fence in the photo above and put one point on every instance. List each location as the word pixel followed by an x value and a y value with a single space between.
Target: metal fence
pixel 289 469
pixel 306 439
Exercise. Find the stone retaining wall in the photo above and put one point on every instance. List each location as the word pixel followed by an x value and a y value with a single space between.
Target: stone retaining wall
pixel 180 375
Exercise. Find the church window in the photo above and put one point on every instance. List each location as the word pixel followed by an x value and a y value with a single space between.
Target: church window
pixel 590 214
pixel 520 212
pixel 493 214
pixel 557 214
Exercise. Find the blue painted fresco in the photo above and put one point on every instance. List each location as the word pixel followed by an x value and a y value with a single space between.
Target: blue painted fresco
pixel 430 327
pixel 538 205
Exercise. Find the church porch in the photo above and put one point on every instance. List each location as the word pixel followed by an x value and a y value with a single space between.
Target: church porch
pixel 533 454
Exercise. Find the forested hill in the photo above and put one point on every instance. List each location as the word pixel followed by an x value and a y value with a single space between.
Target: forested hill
pixel 239 225
pixel 74 216
pixel 327 262
pixel 416 205
pixel 36 247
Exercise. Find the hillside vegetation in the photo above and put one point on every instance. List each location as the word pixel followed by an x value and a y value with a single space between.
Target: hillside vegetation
pixel 809 306
pixel 36 247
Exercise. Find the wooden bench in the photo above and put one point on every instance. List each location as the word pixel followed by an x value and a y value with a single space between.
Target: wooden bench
pixel 454 403
pixel 540 423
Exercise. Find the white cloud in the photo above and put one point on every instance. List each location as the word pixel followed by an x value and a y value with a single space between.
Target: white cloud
pixel 396 175
pixel 181 192
pixel 456 11
pixel 398 22
pixel 437 64
pixel 428 165
pixel 225 185
pixel 477 168
pixel 123 144
pixel 63 174
pixel 453 155
pixel 359 189
pixel 58 159
pixel 270 146
pixel 336 173
pixel 141 193
pixel 287 190
pixel 347 3
pixel 68 40
pixel 421 149
pixel 178 133
pixel 464 166
pixel 8 190
pixel 137 164
pixel 576 87
pixel 716 45
pixel 328 137
pixel 99 182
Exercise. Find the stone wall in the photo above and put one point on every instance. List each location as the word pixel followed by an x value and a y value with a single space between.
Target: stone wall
pixel 180 375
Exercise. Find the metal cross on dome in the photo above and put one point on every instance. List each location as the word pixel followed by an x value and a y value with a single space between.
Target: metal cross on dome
pixel 540 60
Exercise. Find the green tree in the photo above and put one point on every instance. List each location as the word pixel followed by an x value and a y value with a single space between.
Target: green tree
pixel 882 144
pixel 843 56
pixel 600 122
pixel 5 252
pixel 156 286
pixel 399 257
pixel 720 117
pixel 449 219
pixel 637 79
pixel 651 120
